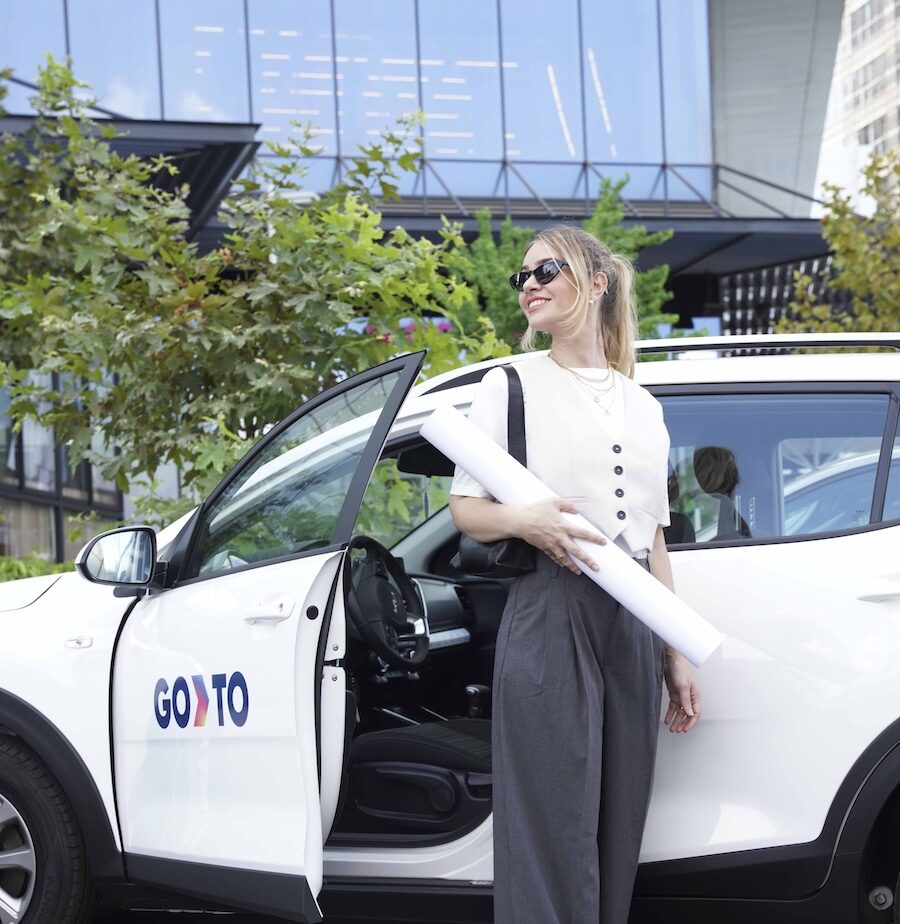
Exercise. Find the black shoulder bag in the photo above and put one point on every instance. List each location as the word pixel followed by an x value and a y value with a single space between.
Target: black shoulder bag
pixel 506 557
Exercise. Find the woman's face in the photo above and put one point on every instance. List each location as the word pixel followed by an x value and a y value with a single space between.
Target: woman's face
pixel 545 305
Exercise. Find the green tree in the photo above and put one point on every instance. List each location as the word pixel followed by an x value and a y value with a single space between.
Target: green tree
pixel 118 333
pixel 866 258
pixel 486 264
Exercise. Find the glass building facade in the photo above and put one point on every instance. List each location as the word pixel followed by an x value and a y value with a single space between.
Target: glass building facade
pixel 521 99
pixel 526 108
pixel 48 508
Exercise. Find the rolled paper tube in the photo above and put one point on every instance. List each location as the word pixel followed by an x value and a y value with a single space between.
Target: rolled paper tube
pixel 511 483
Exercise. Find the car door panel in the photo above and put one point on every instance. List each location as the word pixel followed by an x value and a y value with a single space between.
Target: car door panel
pixel 806 668
pixel 224 720
pixel 205 777
pixel 810 663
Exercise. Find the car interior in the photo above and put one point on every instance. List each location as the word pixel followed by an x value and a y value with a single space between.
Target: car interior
pixel 418 769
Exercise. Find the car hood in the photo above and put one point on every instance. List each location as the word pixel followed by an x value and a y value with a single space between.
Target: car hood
pixel 16 595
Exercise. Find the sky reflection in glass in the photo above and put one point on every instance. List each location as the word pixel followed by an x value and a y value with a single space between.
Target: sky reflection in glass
pixel 118 61
pixel 563 90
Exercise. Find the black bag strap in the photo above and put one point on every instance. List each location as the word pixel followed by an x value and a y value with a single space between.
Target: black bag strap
pixel 515 428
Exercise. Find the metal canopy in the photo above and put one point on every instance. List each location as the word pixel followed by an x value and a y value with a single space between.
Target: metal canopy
pixel 208 155
pixel 717 246
pixel 721 246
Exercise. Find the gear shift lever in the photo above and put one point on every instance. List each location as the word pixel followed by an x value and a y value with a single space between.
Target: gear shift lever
pixel 478 697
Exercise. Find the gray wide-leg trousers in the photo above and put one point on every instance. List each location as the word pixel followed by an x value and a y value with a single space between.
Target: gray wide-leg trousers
pixel 576 711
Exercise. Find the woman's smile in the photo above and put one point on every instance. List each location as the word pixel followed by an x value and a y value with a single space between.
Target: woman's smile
pixel 535 302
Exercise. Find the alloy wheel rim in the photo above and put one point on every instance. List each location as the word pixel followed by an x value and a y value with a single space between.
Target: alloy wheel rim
pixel 18 864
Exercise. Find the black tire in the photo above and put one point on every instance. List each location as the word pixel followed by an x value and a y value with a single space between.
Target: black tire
pixel 38 827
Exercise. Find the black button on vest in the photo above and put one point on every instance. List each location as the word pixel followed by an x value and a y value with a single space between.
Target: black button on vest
pixel 620 492
pixel 621 514
pixel 619 470
pixel 617 448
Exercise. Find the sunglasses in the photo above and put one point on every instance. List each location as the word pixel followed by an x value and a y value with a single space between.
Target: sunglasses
pixel 548 270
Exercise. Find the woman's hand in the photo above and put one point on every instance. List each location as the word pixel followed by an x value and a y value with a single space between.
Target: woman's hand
pixel 684 693
pixel 544 526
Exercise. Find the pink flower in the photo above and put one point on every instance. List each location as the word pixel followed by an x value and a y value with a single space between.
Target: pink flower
pixel 371 329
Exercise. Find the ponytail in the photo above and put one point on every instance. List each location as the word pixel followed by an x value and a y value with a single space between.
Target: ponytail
pixel 619 322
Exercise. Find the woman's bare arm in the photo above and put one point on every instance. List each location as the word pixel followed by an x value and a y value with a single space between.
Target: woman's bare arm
pixel 684 692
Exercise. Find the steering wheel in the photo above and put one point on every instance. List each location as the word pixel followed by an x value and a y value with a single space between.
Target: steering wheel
pixel 381 614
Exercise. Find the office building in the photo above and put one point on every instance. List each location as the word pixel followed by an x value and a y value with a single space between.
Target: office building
pixel 713 108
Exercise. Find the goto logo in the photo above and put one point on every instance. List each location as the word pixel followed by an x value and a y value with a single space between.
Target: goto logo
pixel 231 694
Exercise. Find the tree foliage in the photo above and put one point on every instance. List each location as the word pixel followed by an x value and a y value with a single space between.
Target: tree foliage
pixel 116 331
pixel 140 350
pixel 486 264
pixel 14 569
pixel 866 258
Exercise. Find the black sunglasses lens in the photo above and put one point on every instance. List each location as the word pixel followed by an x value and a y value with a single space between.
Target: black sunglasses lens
pixel 518 280
pixel 543 274
pixel 547 271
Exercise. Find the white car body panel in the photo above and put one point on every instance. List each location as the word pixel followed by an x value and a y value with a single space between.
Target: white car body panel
pixel 806 668
pixel 16 595
pixel 248 796
pixel 56 656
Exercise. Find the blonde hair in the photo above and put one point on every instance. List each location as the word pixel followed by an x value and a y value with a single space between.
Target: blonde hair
pixel 586 256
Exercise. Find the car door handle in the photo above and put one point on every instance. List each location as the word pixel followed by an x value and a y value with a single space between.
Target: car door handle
pixel 881 590
pixel 271 612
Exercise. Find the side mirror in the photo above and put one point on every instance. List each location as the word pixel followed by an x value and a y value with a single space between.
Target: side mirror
pixel 125 557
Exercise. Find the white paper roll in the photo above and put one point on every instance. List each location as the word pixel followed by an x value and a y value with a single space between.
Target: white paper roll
pixel 511 483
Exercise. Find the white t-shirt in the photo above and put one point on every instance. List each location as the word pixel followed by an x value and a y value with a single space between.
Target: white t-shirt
pixel 613 467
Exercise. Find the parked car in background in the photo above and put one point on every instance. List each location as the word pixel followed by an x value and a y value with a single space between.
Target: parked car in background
pixel 281 703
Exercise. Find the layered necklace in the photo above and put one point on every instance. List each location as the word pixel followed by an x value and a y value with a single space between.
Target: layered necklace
pixel 600 389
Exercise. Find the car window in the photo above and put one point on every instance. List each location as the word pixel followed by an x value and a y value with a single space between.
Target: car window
pixel 768 465
pixel 396 502
pixel 892 494
pixel 289 498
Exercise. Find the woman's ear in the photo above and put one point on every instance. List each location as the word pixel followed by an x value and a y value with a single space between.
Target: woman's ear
pixel 599 285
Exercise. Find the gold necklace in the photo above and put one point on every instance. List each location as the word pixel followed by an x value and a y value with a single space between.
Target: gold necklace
pixel 597 397
pixel 593 380
pixel 590 387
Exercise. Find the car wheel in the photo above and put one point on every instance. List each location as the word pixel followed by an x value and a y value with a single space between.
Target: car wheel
pixel 44 876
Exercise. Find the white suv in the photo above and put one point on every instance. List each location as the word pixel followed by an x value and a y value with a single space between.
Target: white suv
pixel 263 704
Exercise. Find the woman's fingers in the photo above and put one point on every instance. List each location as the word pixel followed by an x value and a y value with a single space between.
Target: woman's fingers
pixel 684 709
pixel 582 557
pixel 558 535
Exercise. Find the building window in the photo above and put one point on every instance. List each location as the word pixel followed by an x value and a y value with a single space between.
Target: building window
pixel 869 80
pixel 866 21
pixel 26 530
pixel 873 132
pixel 39 457
pixel 48 508
pixel 8 444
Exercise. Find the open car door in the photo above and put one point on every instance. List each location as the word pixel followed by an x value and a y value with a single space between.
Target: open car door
pixel 228 690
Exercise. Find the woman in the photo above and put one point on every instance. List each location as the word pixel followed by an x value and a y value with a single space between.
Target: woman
pixel 577 679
